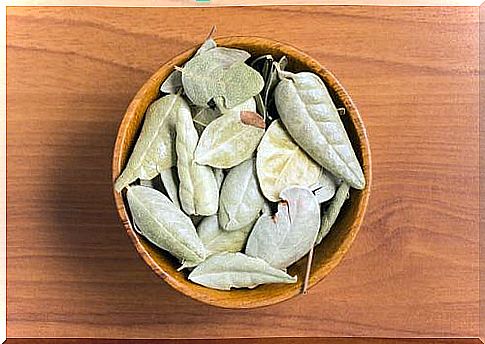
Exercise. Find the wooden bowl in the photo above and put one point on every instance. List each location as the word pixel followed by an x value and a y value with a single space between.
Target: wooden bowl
pixel 326 256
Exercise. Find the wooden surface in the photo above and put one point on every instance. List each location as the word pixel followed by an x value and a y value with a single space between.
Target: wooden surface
pixel 202 3
pixel 413 270
pixel 293 340
pixel 482 169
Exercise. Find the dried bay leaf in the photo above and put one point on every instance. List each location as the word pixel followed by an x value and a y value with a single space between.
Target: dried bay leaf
pixel 198 192
pixel 202 76
pixel 135 227
pixel 217 240
pixel 240 201
pixel 236 270
pixel 325 188
pixel 207 45
pixel 241 82
pixel 147 182
pixel 283 63
pixel 227 141
pixel 311 118
pixel 173 83
pixel 154 150
pixel 330 215
pixel 281 163
pixel 260 107
pixel 219 175
pixel 247 105
pixel 268 68
pixel 165 225
pixel 171 184
pixel 227 57
pixel 267 208
pixel 284 238
pixel 252 118
pixel 204 116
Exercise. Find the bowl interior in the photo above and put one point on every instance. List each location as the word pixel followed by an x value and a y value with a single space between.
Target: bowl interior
pixel 326 256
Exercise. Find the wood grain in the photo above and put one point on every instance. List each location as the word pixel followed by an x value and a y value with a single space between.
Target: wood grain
pixel 482 169
pixel 190 3
pixel 413 271
pixel 293 340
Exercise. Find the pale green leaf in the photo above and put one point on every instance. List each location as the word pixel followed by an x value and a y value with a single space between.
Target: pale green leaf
pixel 207 45
pixel 231 138
pixel 202 76
pixel 240 201
pixel 199 193
pixel 154 150
pixel 173 83
pixel 236 270
pixel 171 184
pixel 330 215
pixel 217 240
pixel 240 82
pixel 165 225
pixel 311 118
pixel 283 239
pixel 281 163
pixel 324 189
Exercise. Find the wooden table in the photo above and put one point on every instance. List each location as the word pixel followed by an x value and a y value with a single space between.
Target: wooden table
pixel 413 270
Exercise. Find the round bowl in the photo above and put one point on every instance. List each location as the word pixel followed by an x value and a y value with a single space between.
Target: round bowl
pixel 326 255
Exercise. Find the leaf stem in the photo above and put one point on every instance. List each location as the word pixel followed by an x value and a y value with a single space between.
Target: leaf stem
pixel 307 273
pixel 282 74
pixel 212 31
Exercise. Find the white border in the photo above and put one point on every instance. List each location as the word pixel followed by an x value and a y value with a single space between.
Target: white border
pixel 133 3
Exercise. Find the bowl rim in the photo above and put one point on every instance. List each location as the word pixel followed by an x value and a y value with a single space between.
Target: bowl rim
pixel 355 118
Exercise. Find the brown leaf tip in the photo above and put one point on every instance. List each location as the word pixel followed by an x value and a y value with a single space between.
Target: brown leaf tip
pixel 252 118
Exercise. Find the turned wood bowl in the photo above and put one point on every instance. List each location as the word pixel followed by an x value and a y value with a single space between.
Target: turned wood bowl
pixel 326 255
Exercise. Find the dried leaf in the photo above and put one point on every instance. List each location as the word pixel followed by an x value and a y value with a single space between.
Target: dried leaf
pixel 281 163
pixel 260 107
pixel 325 188
pixel 283 63
pixel 330 215
pixel 241 200
pixel 236 270
pixel 217 240
pixel 226 142
pixel 202 76
pixel 154 149
pixel 289 235
pixel 199 193
pixel 147 182
pixel 267 208
pixel 171 184
pixel 310 116
pixel 165 225
pixel 268 68
pixel 219 175
pixel 240 82
pixel 252 118
pixel 206 46
pixel 204 116
pixel 173 83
